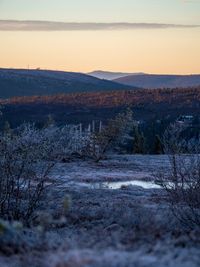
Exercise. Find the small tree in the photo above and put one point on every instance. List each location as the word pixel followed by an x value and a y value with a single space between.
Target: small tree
pixel 111 135
pixel 158 146
pixel 7 128
pixel 139 141
pixel 50 121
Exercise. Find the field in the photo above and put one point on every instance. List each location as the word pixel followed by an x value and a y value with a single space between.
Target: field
pixel 104 227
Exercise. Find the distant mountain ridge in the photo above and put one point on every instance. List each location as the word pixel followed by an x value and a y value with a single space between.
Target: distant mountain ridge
pixel 160 81
pixel 24 82
pixel 109 75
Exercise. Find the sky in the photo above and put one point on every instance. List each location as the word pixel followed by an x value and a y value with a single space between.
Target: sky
pixel 153 36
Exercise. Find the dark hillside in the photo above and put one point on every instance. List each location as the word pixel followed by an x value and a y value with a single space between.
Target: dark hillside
pixel 16 82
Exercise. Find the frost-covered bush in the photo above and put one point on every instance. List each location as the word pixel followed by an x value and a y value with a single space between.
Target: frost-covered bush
pixel 65 141
pixel 24 171
pixel 182 182
pixel 27 156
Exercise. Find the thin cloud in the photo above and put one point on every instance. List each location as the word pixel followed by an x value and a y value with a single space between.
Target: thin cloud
pixel 16 25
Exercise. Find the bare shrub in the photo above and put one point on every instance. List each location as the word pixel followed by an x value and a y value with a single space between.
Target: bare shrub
pixel 182 181
pixel 27 156
pixel 24 171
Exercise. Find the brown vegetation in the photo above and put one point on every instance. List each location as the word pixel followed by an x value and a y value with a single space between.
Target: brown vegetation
pixel 179 96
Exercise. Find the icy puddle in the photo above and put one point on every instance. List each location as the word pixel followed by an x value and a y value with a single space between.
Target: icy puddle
pixel 118 185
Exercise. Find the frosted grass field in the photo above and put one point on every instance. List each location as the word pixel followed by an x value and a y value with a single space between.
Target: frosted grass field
pixel 124 226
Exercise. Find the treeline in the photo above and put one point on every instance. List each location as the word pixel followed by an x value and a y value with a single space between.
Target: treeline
pixel 154 110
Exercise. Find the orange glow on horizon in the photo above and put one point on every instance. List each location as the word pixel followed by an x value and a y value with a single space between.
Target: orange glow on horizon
pixel 174 51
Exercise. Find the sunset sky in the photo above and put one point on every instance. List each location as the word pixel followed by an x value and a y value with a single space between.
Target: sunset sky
pixel 153 36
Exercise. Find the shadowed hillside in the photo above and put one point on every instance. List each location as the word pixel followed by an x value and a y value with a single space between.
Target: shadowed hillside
pixel 16 82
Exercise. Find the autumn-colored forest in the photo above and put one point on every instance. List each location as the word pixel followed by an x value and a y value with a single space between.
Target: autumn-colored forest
pixel 177 96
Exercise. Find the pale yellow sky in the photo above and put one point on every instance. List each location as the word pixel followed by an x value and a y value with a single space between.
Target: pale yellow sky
pixel 172 50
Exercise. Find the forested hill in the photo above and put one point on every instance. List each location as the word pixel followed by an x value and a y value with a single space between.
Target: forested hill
pixel 19 82
pixel 178 97
pixel 147 105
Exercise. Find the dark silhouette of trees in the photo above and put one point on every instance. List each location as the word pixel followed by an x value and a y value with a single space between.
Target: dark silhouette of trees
pixel 158 146
pixel 139 141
